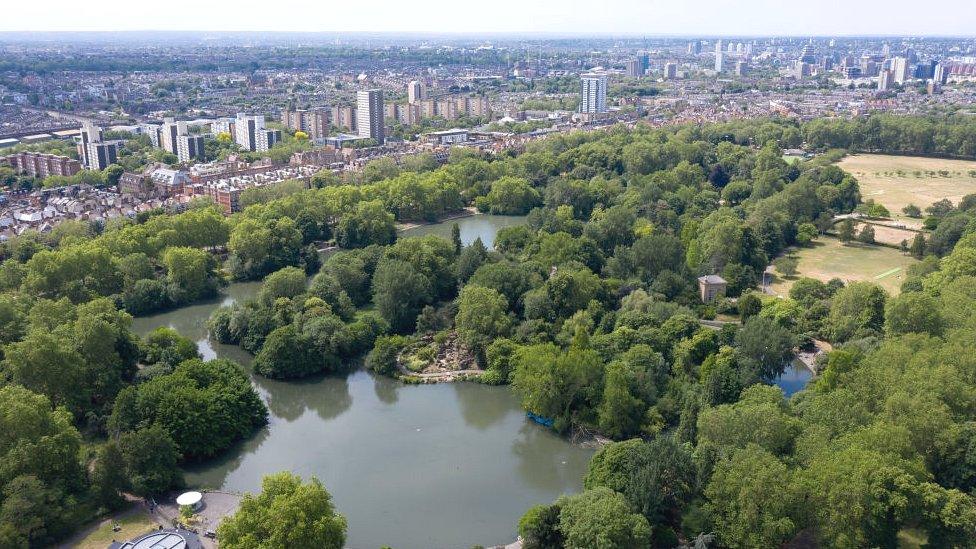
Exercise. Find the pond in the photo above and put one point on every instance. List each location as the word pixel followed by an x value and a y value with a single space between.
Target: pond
pixel 484 227
pixel 411 466
pixel 794 378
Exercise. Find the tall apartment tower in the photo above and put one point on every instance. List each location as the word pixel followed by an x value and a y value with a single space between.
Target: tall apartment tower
pixel 416 92
pixel 901 69
pixel 171 132
pixel 593 93
pixel 670 71
pixel 694 48
pixel 251 135
pixel 95 154
pixel 719 61
pixel 369 114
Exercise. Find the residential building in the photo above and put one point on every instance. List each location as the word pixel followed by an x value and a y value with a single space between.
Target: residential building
pixel 719 60
pixel 633 69
pixel 96 154
pixel 593 93
pixel 344 117
pixel 416 91
pixel 190 147
pixel 251 135
pixel 901 69
pixel 884 80
pixel 369 115
pixel 315 123
pixel 670 71
pixel 41 165
pixel 447 137
pixel 223 125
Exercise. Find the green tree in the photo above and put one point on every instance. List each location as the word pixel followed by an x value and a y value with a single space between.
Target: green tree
pixel 857 310
pixel 750 498
pixel 913 312
pixel 866 235
pixel 108 477
pixel 399 292
pixel 846 231
pixel 764 349
pixel 539 528
pixel 601 519
pixel 151 461
pixel 287 513
pixel 482 317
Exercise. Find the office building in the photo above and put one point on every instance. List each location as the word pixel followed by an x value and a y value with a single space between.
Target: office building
pixel 41 165
pixel 694 48
pixel 315 123
pixel 416 92
pixel 251 135
pixel 670 71
pixel 593 93
pixel 96 154
pixel 369 115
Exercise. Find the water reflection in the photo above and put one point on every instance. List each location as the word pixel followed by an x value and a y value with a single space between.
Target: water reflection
pixel 546 462
pixel 484 227
pixel 794 378
pixel 386 389
pixel 328 397
pixel 481 410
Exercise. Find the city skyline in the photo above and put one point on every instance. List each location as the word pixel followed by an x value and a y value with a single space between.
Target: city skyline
pixel 564 18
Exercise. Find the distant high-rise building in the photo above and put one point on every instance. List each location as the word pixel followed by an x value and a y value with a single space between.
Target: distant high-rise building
pixel 369 115
pixel 719 61
pixel 740 68
pixel 808 55
pixel 633 68
pixel 670 71
pixel 251 135
pixel 884 80
pixel 416 91
pixel 315 123
pixel 900 69
pixel 941 74
pixel 96 154
pixel 593 93
pixel 694 48
pixel 643 62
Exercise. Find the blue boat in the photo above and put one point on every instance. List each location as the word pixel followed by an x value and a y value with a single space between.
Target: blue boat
pixel 540 420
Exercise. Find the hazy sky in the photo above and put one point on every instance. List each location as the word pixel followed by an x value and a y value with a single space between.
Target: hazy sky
pixel 641 17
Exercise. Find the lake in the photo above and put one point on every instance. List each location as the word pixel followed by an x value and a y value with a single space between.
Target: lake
pixel 411 466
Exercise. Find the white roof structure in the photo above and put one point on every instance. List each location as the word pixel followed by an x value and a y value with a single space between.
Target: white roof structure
pixel 189 498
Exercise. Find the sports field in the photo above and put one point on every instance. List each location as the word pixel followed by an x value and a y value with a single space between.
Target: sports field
pixel 896 181
pixel 829 258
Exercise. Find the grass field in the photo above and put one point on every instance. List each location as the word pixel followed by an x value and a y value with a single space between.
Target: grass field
pixel 829 258
pixel 888 235
pixel 132 524
pixel 896 181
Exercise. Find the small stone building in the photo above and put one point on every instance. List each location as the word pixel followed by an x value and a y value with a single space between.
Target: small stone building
pixel 711 287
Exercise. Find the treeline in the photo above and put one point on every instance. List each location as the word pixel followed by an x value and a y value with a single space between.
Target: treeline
pixel 73 373
pixel 946 135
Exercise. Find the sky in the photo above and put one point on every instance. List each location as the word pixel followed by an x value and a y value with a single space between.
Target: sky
pixel 603 17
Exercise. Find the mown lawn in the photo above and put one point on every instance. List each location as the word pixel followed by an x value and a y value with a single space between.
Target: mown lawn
pixel 830 258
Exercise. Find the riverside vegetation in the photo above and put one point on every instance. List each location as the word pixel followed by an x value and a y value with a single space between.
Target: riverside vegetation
pixel 590 311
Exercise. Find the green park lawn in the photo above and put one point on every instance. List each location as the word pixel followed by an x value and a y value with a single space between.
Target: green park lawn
pixel 132 524
pixel 829 258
